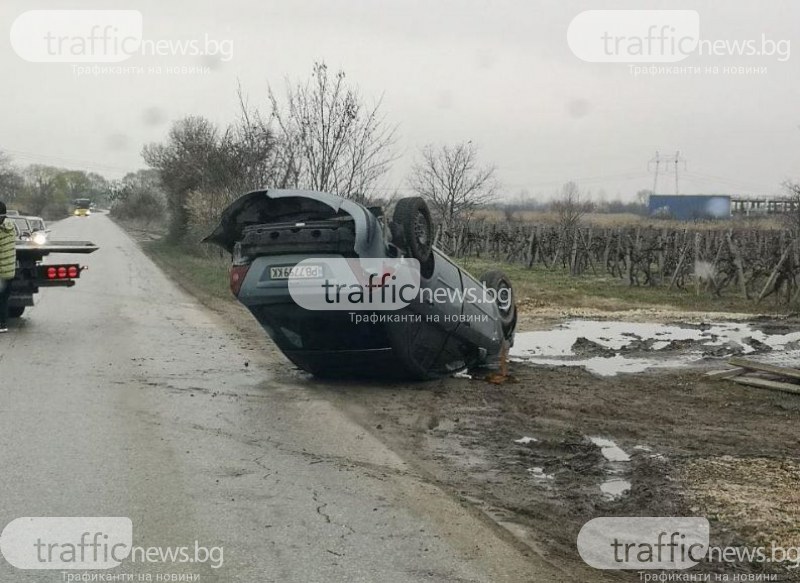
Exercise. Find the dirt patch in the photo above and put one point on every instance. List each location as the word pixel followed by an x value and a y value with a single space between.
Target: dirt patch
pixel 758 497
pixel 468 435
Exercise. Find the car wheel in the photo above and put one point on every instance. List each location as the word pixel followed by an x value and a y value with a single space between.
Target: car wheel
pixel 414 225
pixel 499 282
pixel 16 311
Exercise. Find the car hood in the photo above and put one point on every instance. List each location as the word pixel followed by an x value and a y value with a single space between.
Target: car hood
pixel 265 206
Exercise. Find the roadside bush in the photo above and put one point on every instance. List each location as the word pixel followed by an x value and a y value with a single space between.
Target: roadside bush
pixel 146 206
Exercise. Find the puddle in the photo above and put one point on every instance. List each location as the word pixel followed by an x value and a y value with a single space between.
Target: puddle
pixel 609 348
pixel 616 468
pixel 526 440
pixel 610 450
pixel 615 487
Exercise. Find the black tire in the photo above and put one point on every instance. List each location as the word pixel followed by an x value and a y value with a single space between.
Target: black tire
pixel 507 306
pixel 16 311
pixel 414 225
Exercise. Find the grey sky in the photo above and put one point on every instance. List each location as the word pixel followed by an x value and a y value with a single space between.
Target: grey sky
pixel 499 73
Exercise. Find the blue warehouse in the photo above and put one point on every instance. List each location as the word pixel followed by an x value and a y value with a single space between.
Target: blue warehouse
pixel 690 207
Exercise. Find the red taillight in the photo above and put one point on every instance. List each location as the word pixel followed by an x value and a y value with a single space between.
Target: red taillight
pixel 56 272
pixel 238 273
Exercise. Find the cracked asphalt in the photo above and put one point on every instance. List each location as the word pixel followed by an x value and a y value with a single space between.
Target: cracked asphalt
pixel 125 397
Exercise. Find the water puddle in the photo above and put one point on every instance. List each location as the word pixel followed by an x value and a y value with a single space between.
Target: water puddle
pixel 616 468
pixel 615 487
pixel 608 348
pixel 610 450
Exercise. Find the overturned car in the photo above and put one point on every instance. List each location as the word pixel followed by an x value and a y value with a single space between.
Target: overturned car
pixel 285 243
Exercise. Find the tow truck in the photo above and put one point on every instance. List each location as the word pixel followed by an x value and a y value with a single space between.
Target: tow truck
pixel 32 274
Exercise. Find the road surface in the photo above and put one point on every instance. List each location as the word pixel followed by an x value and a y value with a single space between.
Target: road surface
pixel 124 397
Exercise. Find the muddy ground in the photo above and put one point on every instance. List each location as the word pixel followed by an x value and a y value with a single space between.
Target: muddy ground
pixel 697 447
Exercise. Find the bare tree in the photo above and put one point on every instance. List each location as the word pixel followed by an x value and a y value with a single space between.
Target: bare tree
pixel 570 209
pixel 792 218
pixel 329 139
pixel 264 162
pixel 11 181
pixel 453 181
pixel 42 193
pixel 187 162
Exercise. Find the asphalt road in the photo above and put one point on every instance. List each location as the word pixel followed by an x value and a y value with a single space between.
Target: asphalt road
pixel 124 397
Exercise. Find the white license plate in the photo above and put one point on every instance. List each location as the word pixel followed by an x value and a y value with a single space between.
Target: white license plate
pixel 296 271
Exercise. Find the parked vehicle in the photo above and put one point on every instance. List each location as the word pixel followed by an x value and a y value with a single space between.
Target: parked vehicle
pixel 30 228
pixel 269 232
pixel 32 274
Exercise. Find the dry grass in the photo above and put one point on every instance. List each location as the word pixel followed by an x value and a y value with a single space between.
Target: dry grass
pixel 758 497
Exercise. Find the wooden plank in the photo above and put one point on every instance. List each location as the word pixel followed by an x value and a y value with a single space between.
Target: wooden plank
pixel 773 276
pixel 767 384
pixel 727 373
pixel 783 371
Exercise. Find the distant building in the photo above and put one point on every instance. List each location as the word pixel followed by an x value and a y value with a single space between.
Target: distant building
pixel 690 207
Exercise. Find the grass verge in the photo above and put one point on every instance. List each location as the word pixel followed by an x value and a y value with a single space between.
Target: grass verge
pixel 206 275
pixel 540 287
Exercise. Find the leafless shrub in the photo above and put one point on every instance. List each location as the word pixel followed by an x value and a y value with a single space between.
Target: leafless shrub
pixel 453 181
pixel 330 140
pixel 570 209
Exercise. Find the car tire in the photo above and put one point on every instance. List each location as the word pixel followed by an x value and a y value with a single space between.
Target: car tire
pixel 497 280
pixel 16 311
pixel 414 225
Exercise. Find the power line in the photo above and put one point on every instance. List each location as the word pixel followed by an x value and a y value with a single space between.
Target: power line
pixel 676 160
pixel 53 159
pixel 630 175
pixel 746 185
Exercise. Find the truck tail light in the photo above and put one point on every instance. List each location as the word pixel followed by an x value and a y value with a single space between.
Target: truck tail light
pixel 56 272
pixel 238 273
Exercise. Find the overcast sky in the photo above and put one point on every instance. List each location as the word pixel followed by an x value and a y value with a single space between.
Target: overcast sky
pixel 499 73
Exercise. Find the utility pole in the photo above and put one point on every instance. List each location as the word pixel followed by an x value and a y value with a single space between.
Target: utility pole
pixel 677 160
pixel 654 165
pixel 656 161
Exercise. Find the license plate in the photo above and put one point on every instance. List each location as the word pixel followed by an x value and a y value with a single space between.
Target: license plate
pixel 296 271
